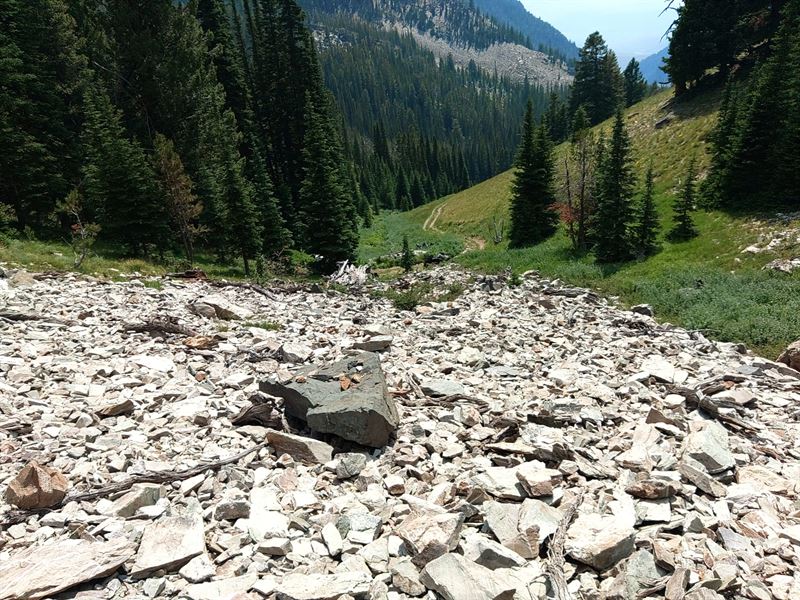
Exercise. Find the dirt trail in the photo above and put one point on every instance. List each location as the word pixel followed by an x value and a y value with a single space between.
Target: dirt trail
pixel 430 222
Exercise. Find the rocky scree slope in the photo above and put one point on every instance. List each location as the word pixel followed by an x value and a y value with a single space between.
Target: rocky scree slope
pixel 548 445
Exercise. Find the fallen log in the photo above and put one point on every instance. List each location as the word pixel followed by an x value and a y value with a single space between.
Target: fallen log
pixel 261 411
pixel 192 274
pixel 16 317
pixel 555 554
pixel 246 286
pixel 168 326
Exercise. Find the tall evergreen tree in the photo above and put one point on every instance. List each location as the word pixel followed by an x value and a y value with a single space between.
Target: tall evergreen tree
pixel 635 84
pixel 406 258
pixel 41 75
pixel 228 59
pixel 557 119
pixel 533 216
pixel 755 173
pixel 647 224
pixel 714 189
pixel 598 82
pixel 276 237
pixel 683 228
pixel 120 184
pixel 328 216
pixel 710 36
pixel 176 188
pixel 615 183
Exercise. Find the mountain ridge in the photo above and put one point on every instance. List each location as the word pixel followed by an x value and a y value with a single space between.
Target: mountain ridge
pixel 542 34
pixel 457 29
pixel 651 67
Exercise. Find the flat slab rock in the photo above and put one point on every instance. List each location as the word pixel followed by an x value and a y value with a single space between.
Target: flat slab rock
pixel 362 412
pixel 600 541
pixel 42 571
pixel 170 542
pixel 456 578
pixel 297 586
pixel 300 448
pixel 222 588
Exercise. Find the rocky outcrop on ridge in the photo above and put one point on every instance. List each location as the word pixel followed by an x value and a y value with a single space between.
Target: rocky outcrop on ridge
pixel 545 444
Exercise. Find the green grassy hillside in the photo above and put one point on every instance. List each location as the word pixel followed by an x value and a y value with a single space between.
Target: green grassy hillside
pixel 707 284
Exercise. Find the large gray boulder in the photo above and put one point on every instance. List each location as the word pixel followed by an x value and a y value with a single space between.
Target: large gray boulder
pixel 348 399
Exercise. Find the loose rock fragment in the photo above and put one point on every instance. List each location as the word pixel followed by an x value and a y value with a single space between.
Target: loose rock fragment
pixel 430 535
pixel 599 541
pixel 300 448
pixel 363 413
pixel 708 445
pixel 169 543
pixel 36 487
pixel 297 586
pixel 41 572
pixel 456 578
pixel 222 588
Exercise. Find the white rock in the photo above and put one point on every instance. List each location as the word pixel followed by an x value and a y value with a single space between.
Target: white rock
pixel 456 578
pixel 297 586
pixel 599 541
pixel 169 543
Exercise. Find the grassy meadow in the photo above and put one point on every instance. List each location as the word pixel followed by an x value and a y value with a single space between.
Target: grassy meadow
pixel 706 284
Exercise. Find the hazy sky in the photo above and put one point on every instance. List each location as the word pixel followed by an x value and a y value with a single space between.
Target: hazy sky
pixel 631 27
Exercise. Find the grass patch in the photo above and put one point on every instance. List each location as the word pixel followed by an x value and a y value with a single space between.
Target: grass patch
pixel 386 237
pixel 421 293
pixel 153 284
pixel 106 261
pixel 267 325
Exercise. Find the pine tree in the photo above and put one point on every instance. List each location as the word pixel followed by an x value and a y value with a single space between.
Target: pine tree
pixel 180 96
pixel 647 223
pixel 403 191
pixel 635 84
pixel 406 259
pixel 276 237
pixel 762 153
pixel 120 184
pixel 683 228
pixel 243 227
pixel 328 215
pixel 713 190
pixel 708 34
pixel 615 182
pixel 598 82
pixel 228 59
pixel 787 152
pixel 533 217
pixel 42 72
pixel 182 205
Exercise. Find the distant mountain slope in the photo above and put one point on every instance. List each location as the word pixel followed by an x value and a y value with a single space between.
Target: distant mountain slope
pixel 651 67
pixel 419 127
pixel 542 34
pixel 454 28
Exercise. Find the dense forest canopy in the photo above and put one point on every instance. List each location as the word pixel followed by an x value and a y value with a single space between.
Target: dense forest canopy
pixel 208 123
pixel 247 128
